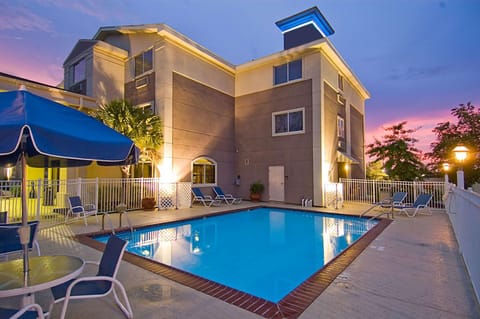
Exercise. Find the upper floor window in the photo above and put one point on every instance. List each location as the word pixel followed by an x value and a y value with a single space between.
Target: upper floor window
pixel 340 82
pixel 147 107
pixel 288 122
pixel 287 72
pixel 78 71
pixel 143 62
pixel 204 171
pixel 340 127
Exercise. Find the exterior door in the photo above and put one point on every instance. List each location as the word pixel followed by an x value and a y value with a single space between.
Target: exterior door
pixel 276 183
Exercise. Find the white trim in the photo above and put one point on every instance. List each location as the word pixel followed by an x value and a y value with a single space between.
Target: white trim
pixel 216 171
pixel 302 109
pixel 305 24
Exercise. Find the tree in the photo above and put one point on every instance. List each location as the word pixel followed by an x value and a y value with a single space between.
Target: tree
pixel 376 171
pixel 448 135
pixel 140 125
pixel 401 160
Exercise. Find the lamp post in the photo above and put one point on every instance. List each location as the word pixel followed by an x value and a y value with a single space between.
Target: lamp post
pixel 446 168
pixel 460 152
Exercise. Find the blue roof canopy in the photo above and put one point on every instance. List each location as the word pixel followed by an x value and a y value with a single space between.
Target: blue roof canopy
pixel 311 16
pixel 54 135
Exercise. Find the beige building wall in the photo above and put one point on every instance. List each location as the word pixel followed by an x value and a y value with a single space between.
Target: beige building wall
pixel 173 58
pixel 108 78
pixel 257 149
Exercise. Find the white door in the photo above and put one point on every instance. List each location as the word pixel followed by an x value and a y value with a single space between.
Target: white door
pixel 276 183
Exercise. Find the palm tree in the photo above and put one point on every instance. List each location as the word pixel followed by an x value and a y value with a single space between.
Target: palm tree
pixel 141 125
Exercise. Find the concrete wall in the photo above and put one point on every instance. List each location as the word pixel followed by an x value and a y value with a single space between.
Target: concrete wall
pixel 203 125
pixel 257 149
pixel 108 75
pixel 357 135
pixel 170 61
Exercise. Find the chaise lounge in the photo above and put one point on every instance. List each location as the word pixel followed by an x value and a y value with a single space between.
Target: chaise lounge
pixel 228 198
pixel 206 200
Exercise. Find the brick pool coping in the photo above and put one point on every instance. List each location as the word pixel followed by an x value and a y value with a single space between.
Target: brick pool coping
pixel 291 306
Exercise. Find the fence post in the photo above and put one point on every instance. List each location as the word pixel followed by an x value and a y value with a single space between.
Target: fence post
pixel 79 186
pixel 96 193
pixel 39 198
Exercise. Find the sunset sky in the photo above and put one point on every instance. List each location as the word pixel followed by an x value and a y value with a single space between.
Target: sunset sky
pixel 417 58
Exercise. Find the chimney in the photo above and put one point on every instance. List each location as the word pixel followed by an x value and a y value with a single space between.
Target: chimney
pixel 304 27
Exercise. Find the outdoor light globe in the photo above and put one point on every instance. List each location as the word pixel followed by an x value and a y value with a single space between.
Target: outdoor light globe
pixel 446 167
pixel 460 152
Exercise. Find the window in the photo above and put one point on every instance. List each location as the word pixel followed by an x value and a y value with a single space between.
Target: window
pixel 204 171
pixel 340 127
pixel 78 71
pixel 147 107
pixel 143 62
pixel 288 122
pixel 287 72
pixel 340 82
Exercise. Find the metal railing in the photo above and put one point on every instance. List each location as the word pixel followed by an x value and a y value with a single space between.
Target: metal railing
pixel 463 208
pixel 48 199
pixel 370 191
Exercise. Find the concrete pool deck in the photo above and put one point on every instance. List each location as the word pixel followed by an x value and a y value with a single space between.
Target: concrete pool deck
pixel 413 269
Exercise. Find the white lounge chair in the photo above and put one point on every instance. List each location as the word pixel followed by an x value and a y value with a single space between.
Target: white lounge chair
pixel 78 210
pixel 10 239
pixel 100 285
pixel 228 198
pixel 31 311
pixel 387 203
pixel 420 204
pixel 206 200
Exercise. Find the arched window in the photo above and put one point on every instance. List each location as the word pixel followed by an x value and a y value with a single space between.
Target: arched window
pixel 204 171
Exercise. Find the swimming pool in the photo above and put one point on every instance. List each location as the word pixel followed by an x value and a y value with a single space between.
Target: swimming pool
pixel 265 252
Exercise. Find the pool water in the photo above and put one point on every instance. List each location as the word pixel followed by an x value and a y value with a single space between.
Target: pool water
pixel 266 252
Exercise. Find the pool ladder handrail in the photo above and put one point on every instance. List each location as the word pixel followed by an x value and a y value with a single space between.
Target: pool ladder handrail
pixel 120 221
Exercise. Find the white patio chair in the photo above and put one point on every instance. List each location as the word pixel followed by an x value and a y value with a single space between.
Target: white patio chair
pixel 100 285
pixel 78 210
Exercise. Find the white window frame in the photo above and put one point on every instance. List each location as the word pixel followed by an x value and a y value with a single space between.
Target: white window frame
pixel 288 72
pixel 302 131
pixel 149 105
pixel 203 179
pixel 340 82
pixel 340 127
pixel 75 78
pixel 144 71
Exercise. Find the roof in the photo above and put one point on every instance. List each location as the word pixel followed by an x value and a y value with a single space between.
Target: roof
pixel 165 31
pixel 311 16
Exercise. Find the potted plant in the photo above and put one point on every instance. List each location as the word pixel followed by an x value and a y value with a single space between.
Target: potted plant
pixel 148 203
pixel 256 190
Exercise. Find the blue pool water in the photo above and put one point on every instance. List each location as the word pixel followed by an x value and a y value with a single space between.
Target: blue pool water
pixel 266 252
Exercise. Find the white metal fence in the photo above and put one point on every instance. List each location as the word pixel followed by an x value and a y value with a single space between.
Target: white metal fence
pixel 463 208
pixel 369 191
pixel 48 199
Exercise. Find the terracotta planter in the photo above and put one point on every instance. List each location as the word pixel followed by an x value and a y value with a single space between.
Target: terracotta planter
pixel 148 203
pixel 254 197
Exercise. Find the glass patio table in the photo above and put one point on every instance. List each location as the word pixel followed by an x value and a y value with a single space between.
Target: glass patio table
pixel 44 272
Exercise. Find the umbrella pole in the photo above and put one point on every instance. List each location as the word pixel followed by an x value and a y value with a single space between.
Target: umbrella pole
pixel 24 231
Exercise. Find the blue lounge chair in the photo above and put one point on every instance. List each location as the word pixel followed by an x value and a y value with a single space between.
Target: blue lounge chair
pixel 78 210
pixel 10 239
pixel 228 198
pixel 387 203
pixel 31 311
pixel 420 204
pixel 100 285
pixel 206 200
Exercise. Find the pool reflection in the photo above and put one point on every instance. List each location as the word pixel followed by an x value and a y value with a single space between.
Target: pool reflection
pixel 265 252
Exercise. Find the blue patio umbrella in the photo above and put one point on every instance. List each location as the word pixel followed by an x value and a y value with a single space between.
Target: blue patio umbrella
pixel 43 133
